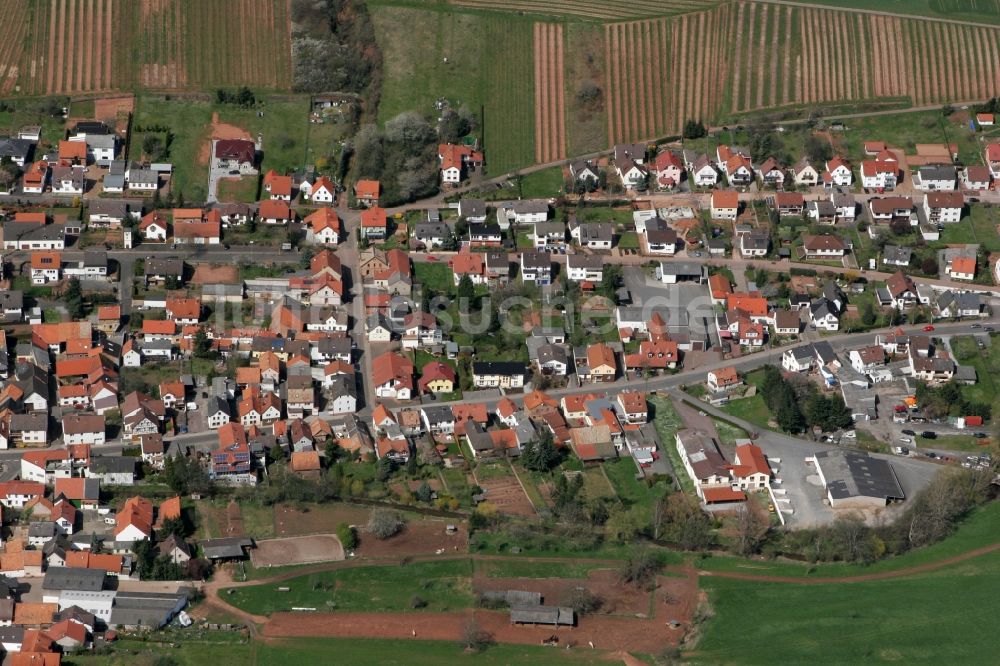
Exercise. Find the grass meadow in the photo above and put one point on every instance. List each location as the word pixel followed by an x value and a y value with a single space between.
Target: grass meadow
pixel 480 60
pixel 444 585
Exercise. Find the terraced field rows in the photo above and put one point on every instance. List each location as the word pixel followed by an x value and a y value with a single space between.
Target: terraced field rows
pixel 606 11
pixel 660 73
pixel 73 46
pixel 950 62
pixel 550 93
pixel 749 56
pixel 15 18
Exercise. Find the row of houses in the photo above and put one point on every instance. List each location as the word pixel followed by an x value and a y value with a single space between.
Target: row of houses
pixel 636 166
pixel 594 426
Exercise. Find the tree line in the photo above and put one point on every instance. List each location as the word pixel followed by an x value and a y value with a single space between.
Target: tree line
pixel 797 407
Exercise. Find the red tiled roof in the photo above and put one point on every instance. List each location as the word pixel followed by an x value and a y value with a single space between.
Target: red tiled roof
pixel 374 218
pixel 324 218
pixel 725 199
pixel 305 461
pixel 137 511
pixel 719 285
pixel 274 210
pixel 367 189
pixel 723 494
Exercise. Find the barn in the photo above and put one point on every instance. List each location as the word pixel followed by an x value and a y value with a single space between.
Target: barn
pixel 552 615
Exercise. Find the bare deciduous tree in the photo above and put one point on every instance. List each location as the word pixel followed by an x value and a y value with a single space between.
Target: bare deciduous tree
pixel 474 638
pixel 752 527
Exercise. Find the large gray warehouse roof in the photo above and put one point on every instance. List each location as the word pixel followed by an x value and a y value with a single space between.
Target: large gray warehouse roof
pixel 853 474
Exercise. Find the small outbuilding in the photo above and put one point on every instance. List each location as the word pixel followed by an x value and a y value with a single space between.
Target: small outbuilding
pixel 551 615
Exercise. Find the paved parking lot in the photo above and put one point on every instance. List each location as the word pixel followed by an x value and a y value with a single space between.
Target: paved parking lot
pixel 695 299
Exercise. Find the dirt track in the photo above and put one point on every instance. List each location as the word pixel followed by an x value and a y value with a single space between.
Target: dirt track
pixel 219 130
pixel 606 633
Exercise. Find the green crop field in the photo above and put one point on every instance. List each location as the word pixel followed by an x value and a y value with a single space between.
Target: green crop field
pixel 482 61
pixel 444 585
pixel 982 11
pixel 940 617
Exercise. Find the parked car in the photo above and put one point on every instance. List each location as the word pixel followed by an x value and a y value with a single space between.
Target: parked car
pixel 906 440
pixel 908 432
pixel 928 328
pixel 988 329
pixel 977 326
pixel 928 434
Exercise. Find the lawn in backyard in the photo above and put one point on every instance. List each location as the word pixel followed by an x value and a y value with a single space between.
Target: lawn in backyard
pixel 437 277
pixel 667 422
pixel 444 585
pixel 182 649
pixel 751 409
pixel 238 190
pixel 621 217
pixel 19 113
pixel 622 472
pixel 978 226
pixel 940 617
pixel 629 241
pixel 986 389
pixel 728 434
pixel 544 184
pixel 429 54
pixel 456 483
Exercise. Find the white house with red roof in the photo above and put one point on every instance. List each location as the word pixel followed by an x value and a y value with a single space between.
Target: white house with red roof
pixel 456 161
pixel 751 470
pixel 153 227
pixel 374 223
pixel 992 155
pixel 669 169
pixel 134 522
pixel 838 173
pixel 277 186
pixel 879 174
pixel 323 191
pixel 324 226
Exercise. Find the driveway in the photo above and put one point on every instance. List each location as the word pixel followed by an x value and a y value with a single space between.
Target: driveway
pixel 214 175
